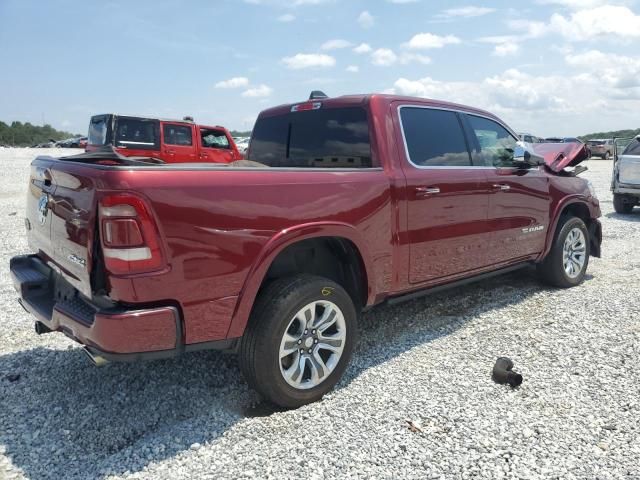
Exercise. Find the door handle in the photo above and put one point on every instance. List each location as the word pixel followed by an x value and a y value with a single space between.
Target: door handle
pixel 500 186
pixel 426 191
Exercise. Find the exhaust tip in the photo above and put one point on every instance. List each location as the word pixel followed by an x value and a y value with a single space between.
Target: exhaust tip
pixel 96 359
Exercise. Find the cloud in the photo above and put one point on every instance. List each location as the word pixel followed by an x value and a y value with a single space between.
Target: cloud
pixel 366 20
pixel 235 82
pixel 362 48
pixel 309 60
pixel 402 2
pixel 409 58
pixel 258 91
pixel 424 41
pixel 287 17
pixel 336 44
pixel 353 69
pixel 575 4
pixel 506 49
pixel 383 57
pixel 604 22
pixel 625 75
pixel 511 90
pixel 469 11
pixel 499 39
pixel 607 20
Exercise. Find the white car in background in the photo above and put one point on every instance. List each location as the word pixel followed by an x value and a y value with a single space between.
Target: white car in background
pixel 243 144
pixel 529 140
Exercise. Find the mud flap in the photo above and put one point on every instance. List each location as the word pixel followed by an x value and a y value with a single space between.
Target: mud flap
pixel 595 237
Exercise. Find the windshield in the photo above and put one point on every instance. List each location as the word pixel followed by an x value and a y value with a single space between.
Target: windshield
pixel 333 137
pixel 633 148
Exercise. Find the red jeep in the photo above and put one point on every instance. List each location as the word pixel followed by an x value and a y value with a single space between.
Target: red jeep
pixel 345 203
pixel 172 141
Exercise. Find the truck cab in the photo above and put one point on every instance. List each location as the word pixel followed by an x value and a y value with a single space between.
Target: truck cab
pixel 171 141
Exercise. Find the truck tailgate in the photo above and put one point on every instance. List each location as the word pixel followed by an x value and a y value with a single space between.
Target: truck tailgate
pixel 61 217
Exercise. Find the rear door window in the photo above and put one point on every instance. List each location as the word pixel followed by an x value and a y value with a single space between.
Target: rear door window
pixel 494 145
pixel 214 139
pixel 177 134
pixel 434 138
pixel 137 133
pixel 321 138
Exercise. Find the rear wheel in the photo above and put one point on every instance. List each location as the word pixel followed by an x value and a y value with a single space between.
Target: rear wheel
pixel 606 155
pixel 567 261
pixel 299 339
pixel 621 204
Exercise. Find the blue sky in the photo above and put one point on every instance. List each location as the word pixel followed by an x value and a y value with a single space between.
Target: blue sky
pixel 551 67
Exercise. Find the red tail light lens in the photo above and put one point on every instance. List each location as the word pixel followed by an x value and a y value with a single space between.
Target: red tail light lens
pixel 129 235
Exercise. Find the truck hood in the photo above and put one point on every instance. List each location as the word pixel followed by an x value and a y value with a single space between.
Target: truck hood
pixel 558 156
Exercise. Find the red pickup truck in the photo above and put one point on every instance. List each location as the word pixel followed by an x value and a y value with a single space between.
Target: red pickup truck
pixel 344 203
pixel 169 141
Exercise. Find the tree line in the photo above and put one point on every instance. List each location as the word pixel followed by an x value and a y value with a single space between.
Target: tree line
pixel 20 134
pixel 612 134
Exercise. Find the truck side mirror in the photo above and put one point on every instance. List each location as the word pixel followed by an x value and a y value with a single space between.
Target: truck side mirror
pixel 524 158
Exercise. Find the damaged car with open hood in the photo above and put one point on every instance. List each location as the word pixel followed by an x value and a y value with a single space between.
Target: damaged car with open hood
pixel 342 204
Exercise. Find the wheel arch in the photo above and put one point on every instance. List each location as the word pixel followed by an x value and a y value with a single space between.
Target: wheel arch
pixel 341 236
pixel 577 207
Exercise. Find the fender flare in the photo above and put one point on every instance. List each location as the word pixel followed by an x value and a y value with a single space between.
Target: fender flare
pixel 553 224
pixel 275 246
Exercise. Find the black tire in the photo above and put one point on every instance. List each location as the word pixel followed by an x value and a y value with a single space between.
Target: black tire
pixel 551 269
pixel 621 205
pixel 275 307
pixel 606 155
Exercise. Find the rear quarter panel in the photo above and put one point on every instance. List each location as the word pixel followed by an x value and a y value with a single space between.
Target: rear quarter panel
pixel 222 228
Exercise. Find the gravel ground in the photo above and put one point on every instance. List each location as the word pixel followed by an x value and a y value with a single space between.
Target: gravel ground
pixel 577 414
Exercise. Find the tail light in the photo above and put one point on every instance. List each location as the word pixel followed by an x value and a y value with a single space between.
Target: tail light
pixel 129 235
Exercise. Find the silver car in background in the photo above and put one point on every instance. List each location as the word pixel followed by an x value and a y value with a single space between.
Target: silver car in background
pixel 625 183
pixel 601 147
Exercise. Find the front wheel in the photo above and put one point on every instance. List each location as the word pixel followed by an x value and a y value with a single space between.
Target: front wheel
pixel 299 339
pixel 566 263
pixel 606 155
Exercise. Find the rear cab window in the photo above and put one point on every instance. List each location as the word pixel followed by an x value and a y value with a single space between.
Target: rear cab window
pixel 434 138
pixel 318 138
pixel 137 133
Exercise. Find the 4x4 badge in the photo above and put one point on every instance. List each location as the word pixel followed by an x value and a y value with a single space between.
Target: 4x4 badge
pixel 43 205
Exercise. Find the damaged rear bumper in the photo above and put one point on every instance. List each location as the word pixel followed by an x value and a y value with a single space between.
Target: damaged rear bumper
pixel 114 333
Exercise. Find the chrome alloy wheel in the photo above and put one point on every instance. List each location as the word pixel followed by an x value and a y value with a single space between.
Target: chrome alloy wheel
pixel 574 252
pixel 312 344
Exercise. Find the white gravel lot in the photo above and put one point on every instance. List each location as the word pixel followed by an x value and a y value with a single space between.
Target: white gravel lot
pixel 576 416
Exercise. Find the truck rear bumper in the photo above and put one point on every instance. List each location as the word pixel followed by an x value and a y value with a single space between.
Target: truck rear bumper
pixel 115 333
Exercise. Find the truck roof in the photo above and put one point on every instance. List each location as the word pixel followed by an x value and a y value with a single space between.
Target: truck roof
pixel 380 98
pixel 162 119
pixel 146 117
